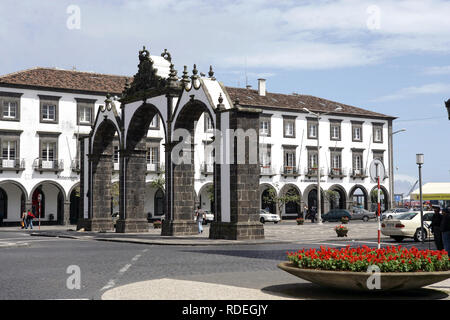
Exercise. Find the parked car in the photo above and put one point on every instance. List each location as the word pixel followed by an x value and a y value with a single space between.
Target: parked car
pixel 393 212
pixel 336 215
pixel 363 214
pixel 209 217
pixel 407 225
pixel 265 216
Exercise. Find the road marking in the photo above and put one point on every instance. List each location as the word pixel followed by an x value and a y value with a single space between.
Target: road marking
pixel 124 269
pixel 111 283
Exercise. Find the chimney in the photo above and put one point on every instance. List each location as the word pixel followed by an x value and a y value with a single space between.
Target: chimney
pixel 248 87
pixel 262 87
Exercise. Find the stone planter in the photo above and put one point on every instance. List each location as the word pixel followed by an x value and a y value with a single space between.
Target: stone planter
pixel 341 233
pixel 358 280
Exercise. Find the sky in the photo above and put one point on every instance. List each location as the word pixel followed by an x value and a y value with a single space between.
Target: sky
pixel 391 57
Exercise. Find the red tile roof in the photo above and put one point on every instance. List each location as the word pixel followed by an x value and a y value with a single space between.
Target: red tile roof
pixel 89 82
pixel 249 97
pixel 66 80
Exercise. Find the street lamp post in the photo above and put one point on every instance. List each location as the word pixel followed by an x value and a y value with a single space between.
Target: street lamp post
pixel 419 161
pixel 319 204
pixel 392 170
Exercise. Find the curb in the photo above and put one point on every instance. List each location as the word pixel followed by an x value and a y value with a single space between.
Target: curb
pixel 162 242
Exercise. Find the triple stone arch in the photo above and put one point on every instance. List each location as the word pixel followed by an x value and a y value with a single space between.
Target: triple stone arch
pixel 236 204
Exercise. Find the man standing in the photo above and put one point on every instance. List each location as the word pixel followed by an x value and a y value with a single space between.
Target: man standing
pixel 445 229
pixel 436 227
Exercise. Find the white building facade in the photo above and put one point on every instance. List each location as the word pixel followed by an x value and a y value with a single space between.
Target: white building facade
pixel 45 111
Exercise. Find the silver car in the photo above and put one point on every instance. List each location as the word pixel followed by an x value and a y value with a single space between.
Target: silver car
pixel 363 214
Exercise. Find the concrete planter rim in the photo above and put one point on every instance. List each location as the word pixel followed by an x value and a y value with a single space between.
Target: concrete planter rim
pixel 288 265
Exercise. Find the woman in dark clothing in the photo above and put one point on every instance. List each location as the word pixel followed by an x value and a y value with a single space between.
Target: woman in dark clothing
pixel 445 229
pixel 436 228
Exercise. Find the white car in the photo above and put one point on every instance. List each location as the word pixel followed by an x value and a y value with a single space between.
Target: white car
pixel 393 213
pixel 407 225
pixel 209 217
pixel 265 216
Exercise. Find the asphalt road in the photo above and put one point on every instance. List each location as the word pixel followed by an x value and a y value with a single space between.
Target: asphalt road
pixel 36 267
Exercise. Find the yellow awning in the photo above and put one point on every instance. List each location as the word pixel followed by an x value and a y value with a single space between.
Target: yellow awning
pixel 433 191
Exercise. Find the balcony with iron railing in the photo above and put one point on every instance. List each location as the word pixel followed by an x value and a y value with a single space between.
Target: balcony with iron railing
pixel 42 165
pixel 290 171
pixel 338 173
pixel 358 173
pixel 312 172
pixel 75 166
pixel 12 165
pixel 267 170
pixel 207 168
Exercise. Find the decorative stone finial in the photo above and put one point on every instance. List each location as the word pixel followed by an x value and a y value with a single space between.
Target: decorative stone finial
pixel 185 77
pixel 211 73
pixel 166 55
pixel 195 71
pixel 220 98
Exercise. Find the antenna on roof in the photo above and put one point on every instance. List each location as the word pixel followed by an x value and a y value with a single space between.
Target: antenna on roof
pixel 245 69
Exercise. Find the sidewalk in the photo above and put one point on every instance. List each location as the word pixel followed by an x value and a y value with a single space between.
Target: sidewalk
pixel 284 232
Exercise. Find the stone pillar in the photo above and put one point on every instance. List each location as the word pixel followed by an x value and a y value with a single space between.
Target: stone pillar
pixel 133 181
pixel 183 205
pixel 66 213
pixel 101 219
pixel 239 182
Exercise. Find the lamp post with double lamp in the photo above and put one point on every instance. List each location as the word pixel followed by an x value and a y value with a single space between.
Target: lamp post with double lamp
pixel 419 161
pixel 318 115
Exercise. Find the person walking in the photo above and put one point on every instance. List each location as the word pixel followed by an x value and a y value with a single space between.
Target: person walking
pixel 199 214
pixel 24 219
pixel 445 229
pixel 436 227
pixel 30 217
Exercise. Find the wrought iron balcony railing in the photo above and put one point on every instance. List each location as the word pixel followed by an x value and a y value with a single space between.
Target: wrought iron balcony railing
pixel 12 164
pixel 75 166
pixel 290 171
pixel 358 173
pixel 267 170
pixel 312 172
pixel 43 165
pixel 337 173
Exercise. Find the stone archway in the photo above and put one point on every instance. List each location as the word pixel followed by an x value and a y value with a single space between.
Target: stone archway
pixel 48 202
pixel 291 208
pixel 384 196
pixel 341 201
pixel 182 168
pixel 310 198
pixel 358 197
pixel 267 194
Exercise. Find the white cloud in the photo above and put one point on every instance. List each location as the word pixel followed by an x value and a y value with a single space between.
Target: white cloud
pixel 283 34
pixel 432 88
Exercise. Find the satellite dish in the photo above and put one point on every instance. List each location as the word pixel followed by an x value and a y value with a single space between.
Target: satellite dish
pixel 377 169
